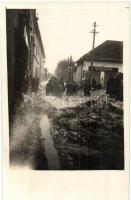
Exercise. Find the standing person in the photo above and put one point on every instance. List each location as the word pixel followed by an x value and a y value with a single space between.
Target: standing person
pixel 110 85
pixel 60 88
pixel 74 89
pixel 94 83
pixel 81 88
pixel 51 88
pixel 56 87
pixel 115 86
pixel 48 88
pixel 36 82
pixel 87 88
pixel 102 79
pixel 67 87
pixel 121 88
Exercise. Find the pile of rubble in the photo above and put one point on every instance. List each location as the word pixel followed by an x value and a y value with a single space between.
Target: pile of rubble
pixel 87 132
pixel 89 138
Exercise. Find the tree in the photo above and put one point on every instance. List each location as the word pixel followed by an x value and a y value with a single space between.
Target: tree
pixel 63 69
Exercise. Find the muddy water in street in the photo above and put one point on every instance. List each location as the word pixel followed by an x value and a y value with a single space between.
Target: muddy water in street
pixel 51 152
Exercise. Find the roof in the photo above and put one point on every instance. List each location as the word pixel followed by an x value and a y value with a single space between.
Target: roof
pixel 109 51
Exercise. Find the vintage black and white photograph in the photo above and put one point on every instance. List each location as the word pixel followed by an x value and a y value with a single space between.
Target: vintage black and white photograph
pixel 65 74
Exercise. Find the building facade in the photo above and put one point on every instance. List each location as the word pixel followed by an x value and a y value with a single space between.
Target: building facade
pixel 25 52
pixel 39 54
pixel 108 59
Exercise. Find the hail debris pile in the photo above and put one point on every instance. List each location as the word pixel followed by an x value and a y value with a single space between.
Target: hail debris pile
pixel 89 138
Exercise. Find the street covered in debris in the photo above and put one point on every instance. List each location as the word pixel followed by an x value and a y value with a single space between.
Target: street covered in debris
pixel 65 89
pixel 68 133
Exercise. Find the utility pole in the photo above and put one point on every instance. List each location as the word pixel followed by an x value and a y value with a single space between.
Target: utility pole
pixel 92 54
pixel 69 68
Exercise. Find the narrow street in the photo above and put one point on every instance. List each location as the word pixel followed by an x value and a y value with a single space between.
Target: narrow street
pixel 67 134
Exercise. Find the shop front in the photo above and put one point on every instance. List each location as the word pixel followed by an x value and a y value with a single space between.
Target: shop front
pixel 102 74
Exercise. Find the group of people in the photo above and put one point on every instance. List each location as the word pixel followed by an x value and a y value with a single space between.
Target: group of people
pixel 54 87
pixel 115 86
pixel 71 88
pixel 30 82
pixel 58 88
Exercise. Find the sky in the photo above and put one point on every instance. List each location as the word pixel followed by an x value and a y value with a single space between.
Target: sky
pixel 65 28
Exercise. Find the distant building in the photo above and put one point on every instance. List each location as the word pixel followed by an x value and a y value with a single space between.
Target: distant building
pixel 108 58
